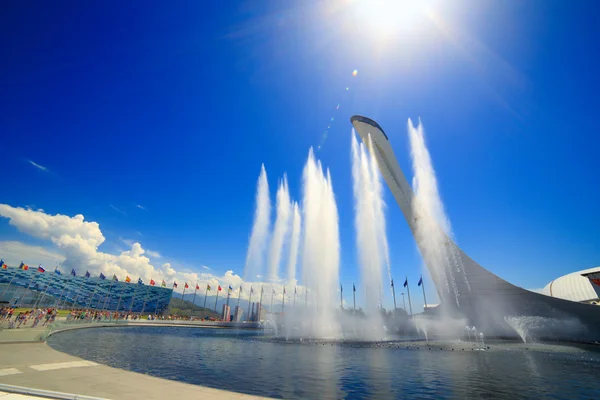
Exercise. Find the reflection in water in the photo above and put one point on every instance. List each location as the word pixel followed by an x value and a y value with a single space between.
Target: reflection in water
pixel 247 362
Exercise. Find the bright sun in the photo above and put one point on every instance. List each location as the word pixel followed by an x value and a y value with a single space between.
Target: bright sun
pixel 388 17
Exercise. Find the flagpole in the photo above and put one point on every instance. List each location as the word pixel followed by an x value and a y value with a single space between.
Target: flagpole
pixel 183 295
pixel 9 283
pixel 217 299
pixel 121 296
pixel 260 302
pixel 271 308
pixel 145 299
pixel 107 298
pixel 249 304
pixel 205 296
pixel 195 290
pixel 408 292
pixel 404 302
pixel 239 294
pixel 228 295
pixel 424 298
pixel 295 291
pixel 78 292
pixel 27 290
pixel 93 294
pixel 341 297
pixel 354 297
pixel 60 297
pixel 394 293
pixel 283 302
pixel 133 296
pixel 44 295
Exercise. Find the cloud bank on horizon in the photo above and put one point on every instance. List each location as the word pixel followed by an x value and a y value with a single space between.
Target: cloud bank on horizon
pixel 76 243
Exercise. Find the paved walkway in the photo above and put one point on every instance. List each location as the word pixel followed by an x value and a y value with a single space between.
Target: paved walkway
pixel 37 365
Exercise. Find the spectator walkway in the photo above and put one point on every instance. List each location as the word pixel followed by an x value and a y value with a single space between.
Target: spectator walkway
pixel 37 365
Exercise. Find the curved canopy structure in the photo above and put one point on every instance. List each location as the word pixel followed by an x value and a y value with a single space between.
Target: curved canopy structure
pixel 486 300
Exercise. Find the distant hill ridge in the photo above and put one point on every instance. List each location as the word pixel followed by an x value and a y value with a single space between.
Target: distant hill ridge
pixel 187 308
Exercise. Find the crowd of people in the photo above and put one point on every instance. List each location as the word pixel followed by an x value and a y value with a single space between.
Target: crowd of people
pixel 32 318
pixel 23 317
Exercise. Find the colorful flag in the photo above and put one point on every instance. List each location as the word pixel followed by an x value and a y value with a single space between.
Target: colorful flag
pixel 115 279
pixel 102 276
pixel 251 289
pixel 56 271
pixel 21 265
pixel 230 288
pixel 186 285
pixel 219 288
pixel 163 284
pixel 392 283
pixel 3 264
pixel 420 282
pixel 197 287
pixel 40 269
pixel 353 288
pixel 341 288
pixel 73 272
pixel 140 281
pixel 406 282
pixel 127 279
pixel 208 287
pixel 152 283
pixel 174 284
pixel 87 274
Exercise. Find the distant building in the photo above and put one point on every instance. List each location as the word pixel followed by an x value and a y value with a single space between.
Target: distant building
pixel 67 291
pixel 237 315
pixel 226 312
pixel 576 286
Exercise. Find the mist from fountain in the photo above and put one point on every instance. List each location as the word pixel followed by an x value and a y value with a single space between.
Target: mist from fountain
pixel 371 238
pixel 260 228
pixel 280 230
pixel 294 244
pixel 320 251
pixel 433 227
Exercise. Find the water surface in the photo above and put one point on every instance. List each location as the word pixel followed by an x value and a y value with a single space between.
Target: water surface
pixel 246 362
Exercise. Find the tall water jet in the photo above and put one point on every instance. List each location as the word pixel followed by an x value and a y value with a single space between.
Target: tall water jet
pixel 294 243
pixel 260 228
pixel 321 250
pixel 371 239
pixel 280 229
pixel 433 228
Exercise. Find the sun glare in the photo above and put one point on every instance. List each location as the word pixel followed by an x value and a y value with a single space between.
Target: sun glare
pixel 388 17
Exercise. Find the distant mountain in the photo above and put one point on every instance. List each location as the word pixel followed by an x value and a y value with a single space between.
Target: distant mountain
pixel 186 308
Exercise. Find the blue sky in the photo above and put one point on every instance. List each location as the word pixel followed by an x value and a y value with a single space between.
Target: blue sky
pixel 175 108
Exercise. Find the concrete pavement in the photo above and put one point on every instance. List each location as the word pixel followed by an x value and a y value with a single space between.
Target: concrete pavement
pixel 37 365
pixel 26 362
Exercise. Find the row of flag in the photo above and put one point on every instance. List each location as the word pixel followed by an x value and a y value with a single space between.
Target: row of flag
pixel 25 267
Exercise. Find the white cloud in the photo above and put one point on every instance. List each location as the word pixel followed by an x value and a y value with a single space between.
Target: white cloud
pixel 153 254
pixel 141 207
pixel 38 166
pixel 77 243
pixel 14 252
pixel 205 267
pixel 118 209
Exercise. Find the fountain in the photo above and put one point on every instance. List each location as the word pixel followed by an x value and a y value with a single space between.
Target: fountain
pixel 371 239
